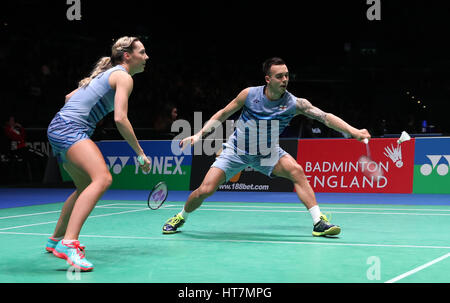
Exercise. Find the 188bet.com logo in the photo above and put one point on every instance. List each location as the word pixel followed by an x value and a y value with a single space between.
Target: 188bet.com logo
pixel 436 164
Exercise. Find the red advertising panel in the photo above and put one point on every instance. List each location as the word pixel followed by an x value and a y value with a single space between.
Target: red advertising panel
pixel 332 165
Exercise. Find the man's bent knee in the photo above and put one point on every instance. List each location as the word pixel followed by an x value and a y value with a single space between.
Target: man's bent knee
pixel 296 173
pixel 206 190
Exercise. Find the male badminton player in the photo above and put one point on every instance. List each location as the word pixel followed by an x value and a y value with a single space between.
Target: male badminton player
pixel 106 89
pixel 269 102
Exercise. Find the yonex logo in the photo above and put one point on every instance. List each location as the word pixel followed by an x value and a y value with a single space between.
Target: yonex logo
pixel 441 169
pixel 158 165
pixel 167 165
pixel 159 195
pixel 117 167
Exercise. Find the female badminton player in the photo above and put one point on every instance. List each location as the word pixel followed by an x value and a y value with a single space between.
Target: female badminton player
pixel 106 89
pixel 269 102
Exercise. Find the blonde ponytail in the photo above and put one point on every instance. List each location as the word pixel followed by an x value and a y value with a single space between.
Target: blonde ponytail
pixel 102 65
pixel 122 45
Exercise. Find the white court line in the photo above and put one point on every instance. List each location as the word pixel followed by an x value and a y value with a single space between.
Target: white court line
pixel 44 213
pixel 230 208
pixel 27 215
pixel 417 269
pixel 239 209
pixel 338 208
pixel 112 206
pixel 334 212
pixel 94 216
pixel 205 208
pixel 298 207
pixel 166 238
pixel 105 205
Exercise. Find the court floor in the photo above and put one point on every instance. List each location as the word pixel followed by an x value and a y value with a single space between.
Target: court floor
pixel 234 238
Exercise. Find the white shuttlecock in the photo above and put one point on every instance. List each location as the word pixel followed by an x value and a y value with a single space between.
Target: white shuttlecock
pixel 403 137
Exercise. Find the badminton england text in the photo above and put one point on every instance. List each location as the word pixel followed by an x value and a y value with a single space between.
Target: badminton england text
pixel 318 174
pixel 230 292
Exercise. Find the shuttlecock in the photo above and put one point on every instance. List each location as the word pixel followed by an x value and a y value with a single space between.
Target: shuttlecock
pixel 403 137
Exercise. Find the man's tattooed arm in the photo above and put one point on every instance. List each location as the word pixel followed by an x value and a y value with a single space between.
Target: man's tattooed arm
pixel 305 107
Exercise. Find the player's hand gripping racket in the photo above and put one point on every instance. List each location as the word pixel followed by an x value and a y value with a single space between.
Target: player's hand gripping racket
pixel 158 194
pixel 144 165
pixel 369 167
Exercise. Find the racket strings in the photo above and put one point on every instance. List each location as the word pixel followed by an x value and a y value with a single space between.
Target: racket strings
pixel 157 196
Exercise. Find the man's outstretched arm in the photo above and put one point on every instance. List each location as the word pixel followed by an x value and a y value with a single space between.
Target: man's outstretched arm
pixel 305 107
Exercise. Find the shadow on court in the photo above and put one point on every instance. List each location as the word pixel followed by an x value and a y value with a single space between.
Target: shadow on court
pixel 250 236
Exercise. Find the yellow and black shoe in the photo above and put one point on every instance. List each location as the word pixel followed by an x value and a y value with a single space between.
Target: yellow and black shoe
pixel 171 226
pixel 324 228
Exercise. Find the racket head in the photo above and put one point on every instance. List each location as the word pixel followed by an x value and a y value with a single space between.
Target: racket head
pixel 157 196
pixel 370 168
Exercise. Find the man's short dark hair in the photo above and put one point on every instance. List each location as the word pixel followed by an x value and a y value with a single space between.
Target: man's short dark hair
pixel 271 61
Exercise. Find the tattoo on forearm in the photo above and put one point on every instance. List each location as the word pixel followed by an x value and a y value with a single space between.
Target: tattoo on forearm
pixel 306 108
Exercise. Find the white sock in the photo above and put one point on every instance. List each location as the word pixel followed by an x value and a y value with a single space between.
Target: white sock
pixel 57 238
pixel 315 213
pixel 184 214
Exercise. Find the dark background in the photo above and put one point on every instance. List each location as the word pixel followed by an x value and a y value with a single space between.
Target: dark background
pixel 203 53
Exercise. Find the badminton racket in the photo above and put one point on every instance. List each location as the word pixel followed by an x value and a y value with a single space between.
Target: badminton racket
pixel 369 167
pixel 158 194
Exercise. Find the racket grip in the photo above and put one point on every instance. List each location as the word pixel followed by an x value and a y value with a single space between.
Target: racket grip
pixel 365 141
pixel 141 160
